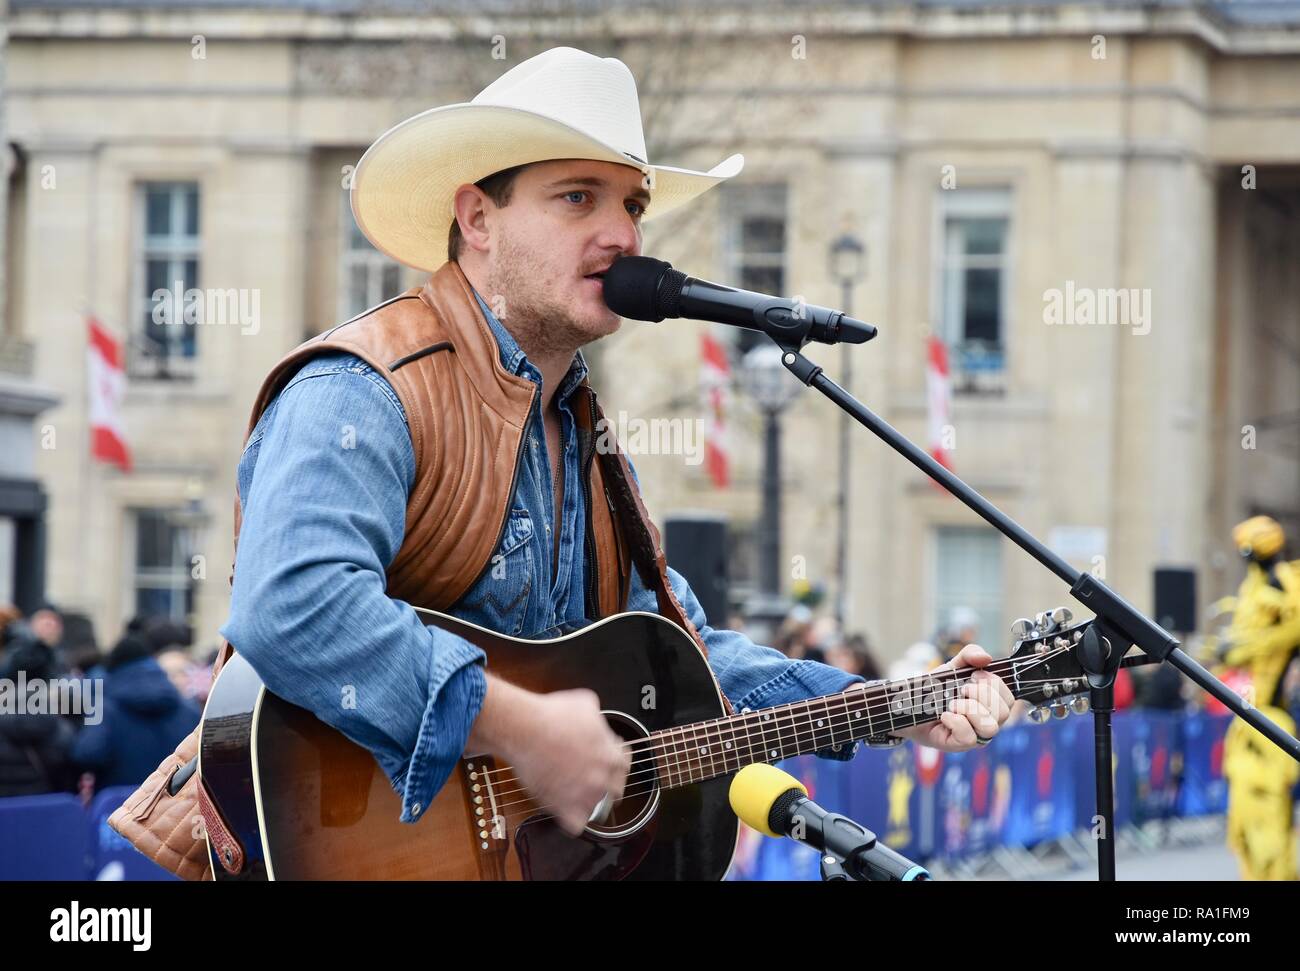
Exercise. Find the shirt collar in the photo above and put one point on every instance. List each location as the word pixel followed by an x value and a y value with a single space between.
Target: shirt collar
pixel 515 361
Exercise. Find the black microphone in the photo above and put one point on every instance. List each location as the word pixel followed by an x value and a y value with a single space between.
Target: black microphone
pixel 642 288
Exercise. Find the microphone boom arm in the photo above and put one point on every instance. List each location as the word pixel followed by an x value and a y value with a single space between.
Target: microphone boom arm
pixel 1119 624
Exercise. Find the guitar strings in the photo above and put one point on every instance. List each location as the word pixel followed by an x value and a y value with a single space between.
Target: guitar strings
pixel 798 721
pixel 788 719
pixel 504 811
pixel 842 701
pixel 836 706
pixel 685 774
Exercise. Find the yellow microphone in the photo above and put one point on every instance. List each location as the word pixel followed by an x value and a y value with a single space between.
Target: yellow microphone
pixel 756 789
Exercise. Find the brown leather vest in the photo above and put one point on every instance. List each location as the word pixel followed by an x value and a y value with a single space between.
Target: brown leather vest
pixel 467 417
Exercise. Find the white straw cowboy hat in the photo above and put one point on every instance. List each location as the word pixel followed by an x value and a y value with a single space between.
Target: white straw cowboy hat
pixel 563 103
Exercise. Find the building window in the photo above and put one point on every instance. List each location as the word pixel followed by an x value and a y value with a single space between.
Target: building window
pixel 367 277
pixel 162 577
pixel 13 223
pixel 968 577
pixel 753 225
pixel 972 281
pixel 167 266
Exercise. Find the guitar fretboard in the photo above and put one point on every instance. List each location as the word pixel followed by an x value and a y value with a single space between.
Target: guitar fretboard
pixel 704 750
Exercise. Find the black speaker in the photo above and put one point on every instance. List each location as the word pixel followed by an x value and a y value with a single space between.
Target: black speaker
pixel 1176 598
pixel 696 547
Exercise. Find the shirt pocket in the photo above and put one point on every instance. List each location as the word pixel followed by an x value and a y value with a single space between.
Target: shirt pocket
pixel 500 599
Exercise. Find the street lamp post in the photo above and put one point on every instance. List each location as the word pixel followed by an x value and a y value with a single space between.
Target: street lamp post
pixel 766 380
pixel 769 548
pixel 847 263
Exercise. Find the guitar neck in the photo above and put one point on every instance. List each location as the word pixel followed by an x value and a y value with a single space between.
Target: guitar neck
pixel 704 750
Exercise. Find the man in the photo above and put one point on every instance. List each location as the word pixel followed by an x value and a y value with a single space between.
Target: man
pixel 47 626
pixel 370 440
pixel 144 716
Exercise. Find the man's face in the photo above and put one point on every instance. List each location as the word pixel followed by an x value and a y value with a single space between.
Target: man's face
pixel 47 626
pixel 566 220
pixel 178 667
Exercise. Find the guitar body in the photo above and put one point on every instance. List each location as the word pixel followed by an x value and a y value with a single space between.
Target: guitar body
pixel 306 803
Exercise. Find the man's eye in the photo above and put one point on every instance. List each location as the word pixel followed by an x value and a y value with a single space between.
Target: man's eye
pixel 576 192
pixel 640 209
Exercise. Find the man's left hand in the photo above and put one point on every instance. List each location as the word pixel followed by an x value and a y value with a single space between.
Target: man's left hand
pixel 983 706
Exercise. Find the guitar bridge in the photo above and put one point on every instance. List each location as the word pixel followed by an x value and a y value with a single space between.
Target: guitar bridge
pixel 484 795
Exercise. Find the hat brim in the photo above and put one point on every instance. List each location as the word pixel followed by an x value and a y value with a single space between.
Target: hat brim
pixel 404 186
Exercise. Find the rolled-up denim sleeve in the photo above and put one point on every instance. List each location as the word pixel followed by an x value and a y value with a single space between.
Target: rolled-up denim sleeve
pixel 324 512
pixel 752 676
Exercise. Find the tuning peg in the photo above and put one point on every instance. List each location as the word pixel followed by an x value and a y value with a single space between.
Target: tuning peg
pixel 1059 710
pixel 1062 616
pixel 1022 628
pixel 1041 620
pixel 1080 705
pixel 1038 715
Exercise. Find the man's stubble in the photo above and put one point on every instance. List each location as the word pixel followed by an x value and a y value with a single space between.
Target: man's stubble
pixel 541 324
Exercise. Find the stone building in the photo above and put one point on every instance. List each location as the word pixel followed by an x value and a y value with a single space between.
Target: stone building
pixel 1095 205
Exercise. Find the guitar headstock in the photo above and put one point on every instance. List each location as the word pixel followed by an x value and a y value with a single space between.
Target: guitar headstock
pixel 1045 669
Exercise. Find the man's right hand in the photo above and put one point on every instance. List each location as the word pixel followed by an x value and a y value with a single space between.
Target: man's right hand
pixel 562 750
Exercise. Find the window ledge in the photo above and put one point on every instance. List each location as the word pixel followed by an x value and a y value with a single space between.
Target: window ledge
pixel 1011 405
pixel 150 391
pixel 979 385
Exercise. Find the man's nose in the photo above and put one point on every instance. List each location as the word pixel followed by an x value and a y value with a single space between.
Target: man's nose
pixel 620 231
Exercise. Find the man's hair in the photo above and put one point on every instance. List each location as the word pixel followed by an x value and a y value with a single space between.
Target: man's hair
pixel 498 187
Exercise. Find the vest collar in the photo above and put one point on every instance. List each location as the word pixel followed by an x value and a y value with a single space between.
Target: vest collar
pixel 449 294
pixel 491 364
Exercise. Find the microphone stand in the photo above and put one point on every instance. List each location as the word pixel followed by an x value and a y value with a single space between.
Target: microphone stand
pixel 1118 624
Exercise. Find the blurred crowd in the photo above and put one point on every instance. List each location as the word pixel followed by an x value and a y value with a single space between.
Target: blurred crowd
pixel 153 688
pixel 807 632
pixel 138 701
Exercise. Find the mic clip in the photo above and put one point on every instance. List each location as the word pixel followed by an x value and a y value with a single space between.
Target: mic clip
pixel 833 870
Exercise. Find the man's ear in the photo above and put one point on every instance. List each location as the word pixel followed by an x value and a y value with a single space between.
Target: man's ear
pixel 471 208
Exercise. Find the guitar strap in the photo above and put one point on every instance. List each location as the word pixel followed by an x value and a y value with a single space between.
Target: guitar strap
pixel 646 550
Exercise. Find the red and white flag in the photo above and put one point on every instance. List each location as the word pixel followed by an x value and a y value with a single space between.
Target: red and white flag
pixel 715 383
pixel 938 390
pixel 107 385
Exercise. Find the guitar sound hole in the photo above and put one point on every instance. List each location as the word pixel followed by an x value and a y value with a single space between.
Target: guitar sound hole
pixel 641 793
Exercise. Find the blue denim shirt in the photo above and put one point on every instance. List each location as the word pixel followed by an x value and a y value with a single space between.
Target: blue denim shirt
pixel 323 483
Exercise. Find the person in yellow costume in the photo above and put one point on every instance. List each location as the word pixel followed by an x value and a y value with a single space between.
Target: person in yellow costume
pixel 1264 639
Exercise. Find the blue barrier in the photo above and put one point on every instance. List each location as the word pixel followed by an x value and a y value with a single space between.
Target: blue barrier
pixel 1034 784
pixel 1204 789
pixel 43 838
pixel 54 837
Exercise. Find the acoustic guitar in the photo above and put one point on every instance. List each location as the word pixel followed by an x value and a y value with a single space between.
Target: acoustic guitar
pixel 306 803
